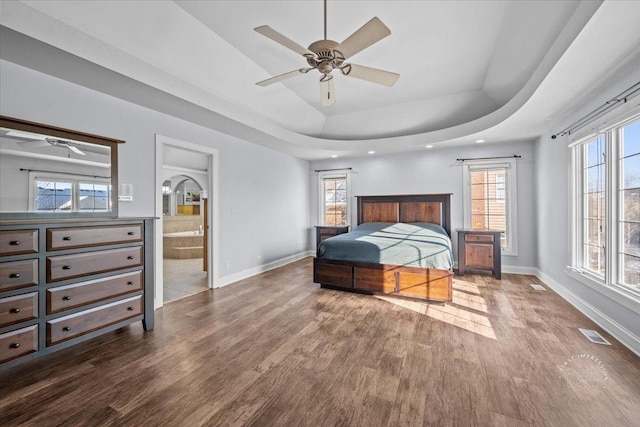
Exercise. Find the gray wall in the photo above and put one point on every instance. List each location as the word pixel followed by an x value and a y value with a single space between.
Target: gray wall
pixel 437 171
pixel 618 314
pixel 264 194
pixel 15 183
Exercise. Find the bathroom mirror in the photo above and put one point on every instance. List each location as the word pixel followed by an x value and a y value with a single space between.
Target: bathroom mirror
pixel 50 172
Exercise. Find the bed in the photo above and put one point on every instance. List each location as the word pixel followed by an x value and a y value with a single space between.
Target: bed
pixel 401 247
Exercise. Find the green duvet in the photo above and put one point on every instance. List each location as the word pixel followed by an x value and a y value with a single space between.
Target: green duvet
pixel 417 244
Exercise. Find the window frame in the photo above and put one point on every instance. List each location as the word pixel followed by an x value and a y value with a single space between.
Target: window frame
pixel 610 283
pixel 334 174
pixel 511 197
pixel 75 182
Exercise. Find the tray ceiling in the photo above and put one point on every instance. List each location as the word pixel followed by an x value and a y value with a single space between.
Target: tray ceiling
pixel 496 70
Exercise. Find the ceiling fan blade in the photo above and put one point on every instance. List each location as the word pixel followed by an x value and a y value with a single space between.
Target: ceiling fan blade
pixel 279 78
pixel 369 74
pixel 327 93
pixel 269 32
pixel 36 143
pixel 75 149
pixel 370 33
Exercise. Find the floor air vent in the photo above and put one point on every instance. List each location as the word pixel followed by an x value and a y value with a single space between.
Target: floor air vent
pixel 538 287
pixel 594 336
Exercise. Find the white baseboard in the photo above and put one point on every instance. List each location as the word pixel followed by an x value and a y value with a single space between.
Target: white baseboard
pixel 619 332
pixel 516 269
pixel 245 274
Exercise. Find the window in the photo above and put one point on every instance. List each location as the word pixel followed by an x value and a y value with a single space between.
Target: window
pixel 500 187
pixel 605 232
pixel 629 217
pixel 334 197
pixel 67 193
pixel 490 199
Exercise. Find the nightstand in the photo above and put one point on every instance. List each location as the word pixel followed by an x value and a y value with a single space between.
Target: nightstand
pixel 479 250
pixel 325 231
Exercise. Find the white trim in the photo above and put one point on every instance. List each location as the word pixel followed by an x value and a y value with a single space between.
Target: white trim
pixel 213 235
pixel 619 294
pixel 517 269
pixel 253 271
pixel 619 332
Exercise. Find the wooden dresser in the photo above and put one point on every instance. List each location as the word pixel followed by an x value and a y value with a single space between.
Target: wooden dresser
pixel 479 250
pixel 66 281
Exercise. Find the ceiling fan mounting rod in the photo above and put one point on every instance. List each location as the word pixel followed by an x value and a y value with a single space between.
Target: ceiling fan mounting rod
pixel 325 19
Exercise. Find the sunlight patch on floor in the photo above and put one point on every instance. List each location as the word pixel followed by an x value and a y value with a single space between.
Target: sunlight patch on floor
pixel 468 295
pixel 461 312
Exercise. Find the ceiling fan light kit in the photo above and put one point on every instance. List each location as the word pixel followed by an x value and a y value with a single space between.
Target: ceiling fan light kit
pixel 328 55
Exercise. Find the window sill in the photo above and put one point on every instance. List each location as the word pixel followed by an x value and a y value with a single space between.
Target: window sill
pixel 625 297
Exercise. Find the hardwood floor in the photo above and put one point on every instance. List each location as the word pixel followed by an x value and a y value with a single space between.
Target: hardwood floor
pixel 276 349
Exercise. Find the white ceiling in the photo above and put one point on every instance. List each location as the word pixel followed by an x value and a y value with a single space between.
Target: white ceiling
pixel 495 70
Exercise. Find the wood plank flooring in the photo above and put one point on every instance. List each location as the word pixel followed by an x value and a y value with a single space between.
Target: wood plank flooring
pixel 276 350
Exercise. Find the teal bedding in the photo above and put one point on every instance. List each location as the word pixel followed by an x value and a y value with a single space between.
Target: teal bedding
pixel 417 244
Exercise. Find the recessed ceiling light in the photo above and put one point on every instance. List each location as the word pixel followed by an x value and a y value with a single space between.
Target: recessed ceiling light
pixel 479 141
pixel 428 146
pixel 371 152
pixel 334 155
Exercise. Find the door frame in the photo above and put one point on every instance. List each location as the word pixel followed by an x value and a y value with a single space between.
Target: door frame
pixel 212 232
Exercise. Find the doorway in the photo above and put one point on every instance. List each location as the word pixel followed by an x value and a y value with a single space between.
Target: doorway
pixel 186 228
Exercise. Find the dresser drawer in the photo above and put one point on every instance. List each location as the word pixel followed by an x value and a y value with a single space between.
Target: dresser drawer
pixel 479 238
pixel 18 343
pixel 18 274
pixel 76 265
pixel 70 296
pixel 18 308
pixel 67 327
pixel 80 237
pixel 16 242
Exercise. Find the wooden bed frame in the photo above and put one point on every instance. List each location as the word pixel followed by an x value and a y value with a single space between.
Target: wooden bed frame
pixel 371 278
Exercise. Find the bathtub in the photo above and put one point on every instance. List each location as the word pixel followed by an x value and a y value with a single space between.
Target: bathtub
pixel 183 245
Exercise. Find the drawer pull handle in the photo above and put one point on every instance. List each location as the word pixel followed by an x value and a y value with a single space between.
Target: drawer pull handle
pixel 14 276
pixel 66 329
pixel 130 257
pixel 66 267
pixel 131 233
pixel 66 298
pixel 129 283
pixel 15 345
pixel 14 310
pixel 66 238
pixel 130 308
pixel 15 243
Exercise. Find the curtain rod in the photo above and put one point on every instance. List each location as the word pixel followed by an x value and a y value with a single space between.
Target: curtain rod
pixel 490 158
pixel 329 170
pixel 65 173
pixel 623 97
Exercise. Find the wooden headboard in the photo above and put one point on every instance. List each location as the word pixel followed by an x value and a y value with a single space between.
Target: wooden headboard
pixel 432 208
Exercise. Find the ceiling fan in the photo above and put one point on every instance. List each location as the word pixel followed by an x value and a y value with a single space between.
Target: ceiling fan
pixel 328 55
pixel 65 144
pixel 44 141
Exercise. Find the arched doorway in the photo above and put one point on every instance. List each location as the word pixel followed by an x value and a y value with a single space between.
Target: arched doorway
pixel 184 240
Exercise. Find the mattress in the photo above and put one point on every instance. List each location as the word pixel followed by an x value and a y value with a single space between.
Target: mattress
pixel 417 244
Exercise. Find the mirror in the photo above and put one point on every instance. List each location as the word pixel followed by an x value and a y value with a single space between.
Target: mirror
pixel 50 172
